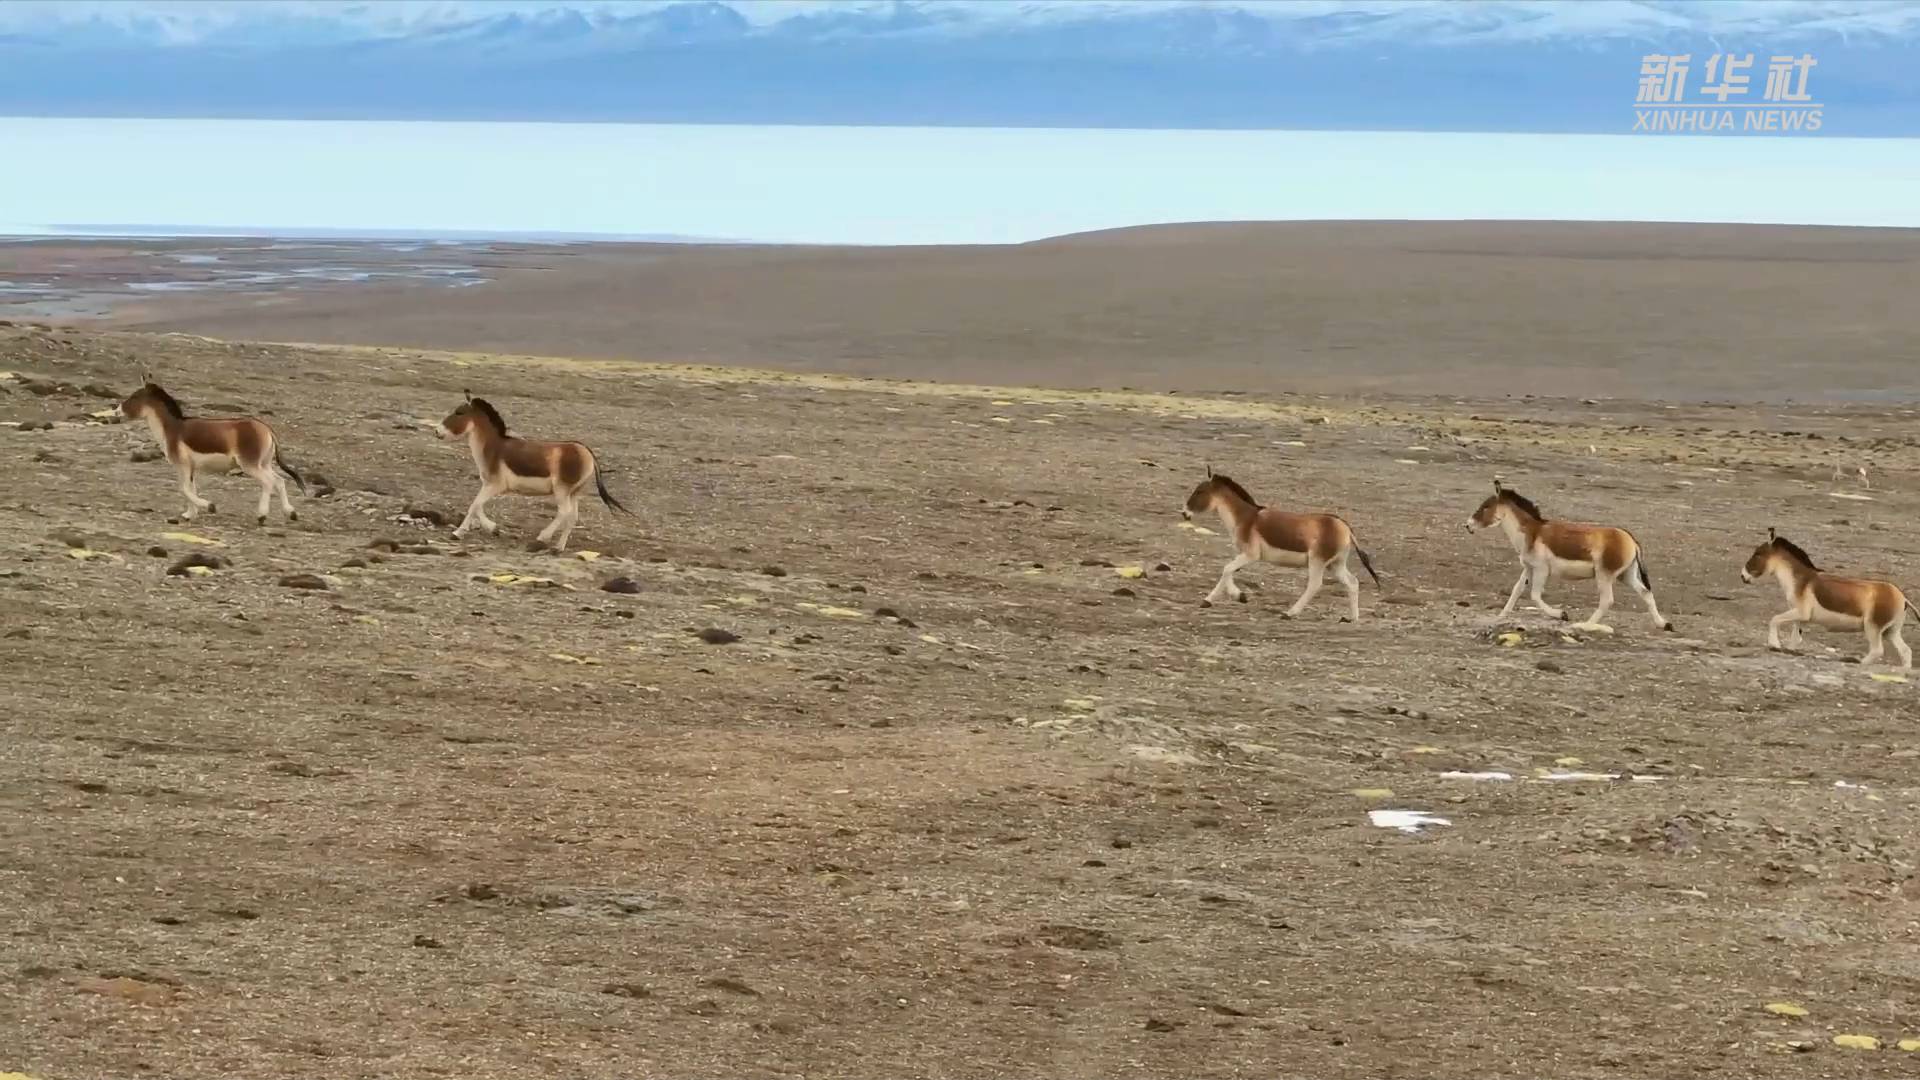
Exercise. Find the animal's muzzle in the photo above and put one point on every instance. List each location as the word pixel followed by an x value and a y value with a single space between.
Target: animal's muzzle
pixel 1746 577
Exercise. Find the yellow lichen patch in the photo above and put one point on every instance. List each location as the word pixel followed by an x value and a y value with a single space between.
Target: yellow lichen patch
pixel 200 571
pixel 1857 1042
pixel 931 640
pixel 1130 572
pixel 832 612
pixel 1785 1008
pixel 89 555
pixel 1372 793
pixel 1882 676
pixel 569 658
pixel 524 580
pixel 1426 750
pixel 1511 638
pixel 1079 704
pixel 1909 1045
pixel 366 620
pixel 192 538
pixel 586 556
pixel 1568 762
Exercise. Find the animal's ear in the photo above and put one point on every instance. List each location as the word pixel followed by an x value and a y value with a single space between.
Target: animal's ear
pixel 1497 489
pixel 469 396
pixel 1209 472
pixel 146 378
pixel 1770 536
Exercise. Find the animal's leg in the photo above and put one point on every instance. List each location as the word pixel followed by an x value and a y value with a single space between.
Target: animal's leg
pixel 1518 587
pixel 476 513
pixel 1225 586
pixel 195 503
pixel 1540 575
pixel 286 501
pixel 1646 594
pixel 1604 585
pixel 268 481
pixel 1876 648
pixel 559 516
pixel 569 514
pixel 1900 646
pixel 1785 618
pixel 1316 572
pixel 1352 584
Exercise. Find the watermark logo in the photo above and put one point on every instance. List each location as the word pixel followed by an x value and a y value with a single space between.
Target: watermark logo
pixel 1786 106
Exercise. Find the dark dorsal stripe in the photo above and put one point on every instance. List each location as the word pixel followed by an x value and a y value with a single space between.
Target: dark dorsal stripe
pixel 1228 483
pixel 1522 503
pixel 1793 550
pixel 491 413
pixel 166 401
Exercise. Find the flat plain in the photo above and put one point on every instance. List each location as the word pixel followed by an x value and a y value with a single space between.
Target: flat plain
pixel 978 789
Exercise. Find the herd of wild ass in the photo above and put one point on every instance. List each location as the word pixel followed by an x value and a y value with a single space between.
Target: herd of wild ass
pixel 1547 549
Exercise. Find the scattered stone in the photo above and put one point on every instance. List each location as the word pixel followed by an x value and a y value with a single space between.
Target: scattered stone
pixel 1550 667
pixel 36 425
pixel 1162 567
pixel 620 585
pixel 480 891
pixel 46 457
pixel 422 941
pixel 305 581
pixel 426 514
pixel 773 571
pixel 355 563
pixel 21 634
pixel 1154 1023
pixel 885 613
pixel 713 635
pixel 100 390
pixel 1078 938
pixel 1123 591
pixel 157 551
pixel 730 985
pixel 628 990
pixel 1095 562
pixel 131 990
pixel 145 454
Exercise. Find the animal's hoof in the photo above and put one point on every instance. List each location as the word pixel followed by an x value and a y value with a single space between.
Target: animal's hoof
pixel 260 519
pixel 1668 627
pixel 1206 603
pixel 1241 598
pixel 211 509
pixel 291 516
pixel 1346 618
pixel 1288 615
pixel 1562 616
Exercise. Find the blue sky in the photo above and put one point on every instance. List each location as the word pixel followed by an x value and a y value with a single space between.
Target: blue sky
pixel 1423 65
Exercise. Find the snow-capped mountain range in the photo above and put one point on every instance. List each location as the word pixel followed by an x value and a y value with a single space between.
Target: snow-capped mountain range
pixel 1425 64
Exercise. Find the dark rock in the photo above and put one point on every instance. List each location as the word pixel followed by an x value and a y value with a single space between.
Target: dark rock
pixel 1162 567
pixel 46 457
pixel 1154 1023
pixel 355 563
pixel 628 990
pixel 773 571
pixel 421 513
pixel 1550 667
pixel 422 941
pixel 157 551
pixel 1123 591
pixel 21 634
pixel 1095 562
pixel 304 581
pixel 480 891
pixel 620 585
pixel 885 613
pixel 145 453
pixel 713 635
pixel 197 558
pixel 730 985
pixel 100 390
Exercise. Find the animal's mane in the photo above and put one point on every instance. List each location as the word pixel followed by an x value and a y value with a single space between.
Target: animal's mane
pixel 1521 502
pixel 1793 550
pixel 1228 483
pixel 491 413
pixel 166 401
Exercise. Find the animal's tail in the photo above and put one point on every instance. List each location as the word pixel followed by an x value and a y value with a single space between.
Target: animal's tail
pixel 1640 565
pixel 1910 607
pixel 600 481
pixel 1366 561
pixel 281 464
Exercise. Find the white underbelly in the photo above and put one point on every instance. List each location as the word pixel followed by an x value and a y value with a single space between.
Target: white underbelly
pixel 1569 569
pixel 529 485
pixel 1834 620
pixel 210 463
pixel 1282 557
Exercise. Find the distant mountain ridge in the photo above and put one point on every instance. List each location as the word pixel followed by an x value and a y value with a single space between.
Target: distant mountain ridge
pixel 1470 65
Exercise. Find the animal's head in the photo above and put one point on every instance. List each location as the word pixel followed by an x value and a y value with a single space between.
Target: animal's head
pixel 149 400
pixel 473 411
pixel 1504 502
pixel 1764 557
pixel 1206 495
